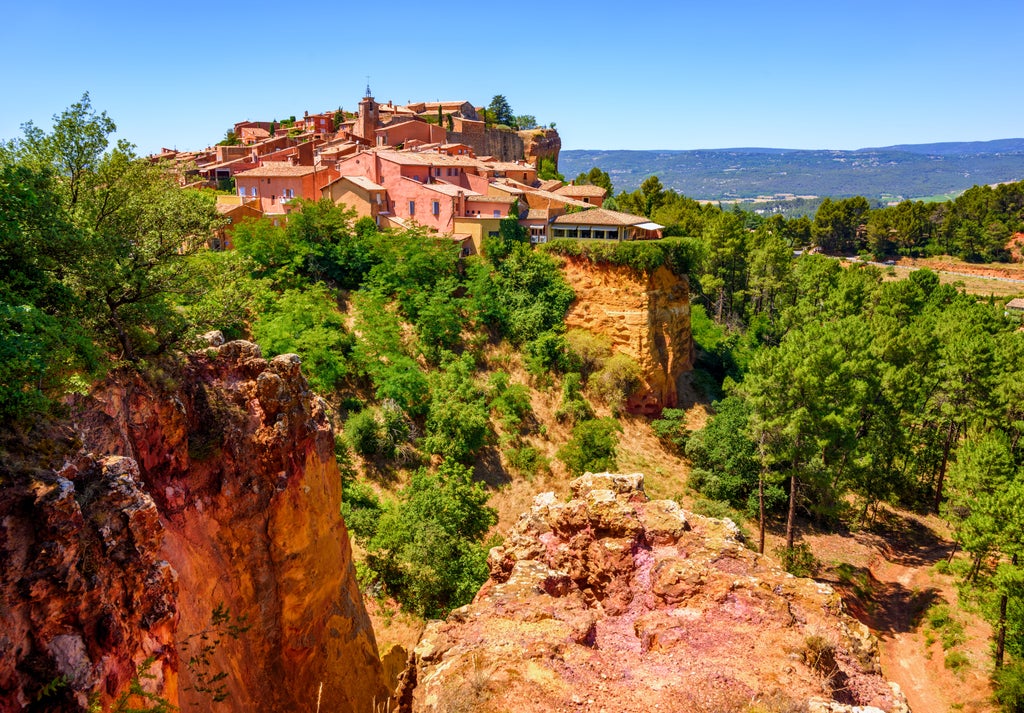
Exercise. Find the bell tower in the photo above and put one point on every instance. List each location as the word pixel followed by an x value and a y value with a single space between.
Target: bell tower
pixel 366 123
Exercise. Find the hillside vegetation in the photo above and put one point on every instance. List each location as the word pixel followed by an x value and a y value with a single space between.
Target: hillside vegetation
pixel 835 391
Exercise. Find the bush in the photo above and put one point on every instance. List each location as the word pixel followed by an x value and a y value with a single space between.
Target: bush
pixel 360 507
pixel 590 351
pixel 510 402
pixel 678 254
pixel 549 353
pixel 363 433
pixel 574 408
pixel 671 429
pixel 427 548
pixel 820 655
pixel 526 460
pixel 1009 687
pixel 592 446
pixel 799 561
pixel 458 423
pixel 619 379
pixel 956 661
pixel 307 323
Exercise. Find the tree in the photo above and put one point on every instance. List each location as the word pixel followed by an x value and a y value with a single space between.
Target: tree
pixel 499 111
pixel 986 499
pixel 134 229
pixel 427 546
pixel 525 121
pixel 592 447
pixel 596 177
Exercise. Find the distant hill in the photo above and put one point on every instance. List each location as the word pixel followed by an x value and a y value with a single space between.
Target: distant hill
pixel 882 174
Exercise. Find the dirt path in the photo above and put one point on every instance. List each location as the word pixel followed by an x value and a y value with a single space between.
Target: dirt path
pixel 903 596
pixel 892 585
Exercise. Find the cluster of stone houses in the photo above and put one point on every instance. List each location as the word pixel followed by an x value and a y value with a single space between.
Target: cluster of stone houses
pixel 399 166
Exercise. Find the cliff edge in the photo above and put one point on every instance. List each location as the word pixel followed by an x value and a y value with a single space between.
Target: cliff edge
pixel 646 316
pixel 195 539
pixel 612 602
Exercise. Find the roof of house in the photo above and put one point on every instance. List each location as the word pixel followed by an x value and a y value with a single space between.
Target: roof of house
pixel 491 199
pixel 600 216
pixel 564 200
pixel 449 189
pixel 537 214
pixel 583 190
pixel 550 185
pixel 1017 303
pixel 276 169
pixel 509 166
pixel 364 182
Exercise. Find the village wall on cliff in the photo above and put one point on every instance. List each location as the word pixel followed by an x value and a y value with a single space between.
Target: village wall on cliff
pixel 215 489
pixel 645 315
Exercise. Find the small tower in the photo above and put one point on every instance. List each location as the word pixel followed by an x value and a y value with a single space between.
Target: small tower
pixel 366 123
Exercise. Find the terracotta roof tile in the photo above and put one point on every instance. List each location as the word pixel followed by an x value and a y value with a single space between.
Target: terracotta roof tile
pixel 584 190
pixel 600 216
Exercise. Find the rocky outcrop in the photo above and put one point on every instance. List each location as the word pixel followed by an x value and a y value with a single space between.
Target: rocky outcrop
pixel 646 316
pixel 541 143
pixel 613 602
pixel 203 542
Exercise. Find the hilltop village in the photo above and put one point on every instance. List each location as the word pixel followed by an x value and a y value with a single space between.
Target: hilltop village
pixel 439 165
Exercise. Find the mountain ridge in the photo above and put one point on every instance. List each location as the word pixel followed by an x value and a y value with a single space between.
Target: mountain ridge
pixel 906 171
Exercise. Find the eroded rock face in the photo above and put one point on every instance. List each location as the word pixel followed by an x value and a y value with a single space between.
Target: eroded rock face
pixel 216 495
pixel 645 317
pixel 614 602
pixel 541 143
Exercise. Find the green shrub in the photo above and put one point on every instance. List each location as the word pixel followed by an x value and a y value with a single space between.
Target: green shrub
pixel 360 507
pixel 458 423
pixel 956 661
pixel 574 408
pixel 799 561
pixel 671 429
pixel 592 446
pixel 428 545
pixel 549 353
pixel 511 402
pixel 526 460
pixel 363 433
pixel 1009 687
pixel 678 254
pixel 619 379
pixel 590 350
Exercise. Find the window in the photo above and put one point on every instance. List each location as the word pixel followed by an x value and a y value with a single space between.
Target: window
pixel 252 191
pixel 435 207
pixel 585 233
pixel 437 171
pixel 497 214
pixel 412 207
pixel 241 191
pixel 558 232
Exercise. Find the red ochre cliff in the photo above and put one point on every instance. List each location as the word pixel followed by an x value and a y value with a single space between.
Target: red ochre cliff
pixel 612 602
pixel 214 493
pixel 646 316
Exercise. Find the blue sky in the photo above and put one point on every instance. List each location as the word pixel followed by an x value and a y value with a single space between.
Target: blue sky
pixel 626 75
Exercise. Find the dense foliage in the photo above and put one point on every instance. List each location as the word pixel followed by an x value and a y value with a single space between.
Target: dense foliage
pixel 95 250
